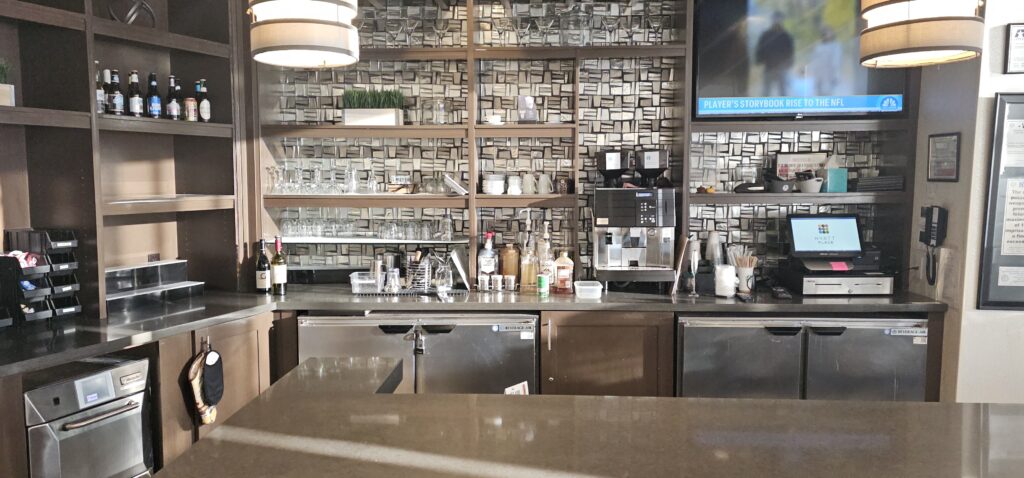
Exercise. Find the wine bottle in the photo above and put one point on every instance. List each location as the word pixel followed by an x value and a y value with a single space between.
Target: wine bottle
pixel 154 104
pixel 204 102
pixel 172 107
pixel 262 269
pixel 135 107
pixel 278 268
pixel 115 99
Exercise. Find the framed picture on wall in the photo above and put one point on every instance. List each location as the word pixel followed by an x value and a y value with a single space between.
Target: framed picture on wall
pixel 1015 48
pixel 1001 285
pixel 944 157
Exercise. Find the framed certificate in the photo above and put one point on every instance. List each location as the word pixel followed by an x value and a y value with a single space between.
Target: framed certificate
pixel 1001 284
pixel 1015 48
pixel 944 157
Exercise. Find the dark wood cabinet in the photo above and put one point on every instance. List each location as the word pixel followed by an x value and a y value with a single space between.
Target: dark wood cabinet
pixel 607 353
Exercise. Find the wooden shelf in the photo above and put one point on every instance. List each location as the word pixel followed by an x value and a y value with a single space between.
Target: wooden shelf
pixel 367 201
pixel 31 12
pixel 727 126
pixel 414 54
pixel 884 197
pixel 342 131
pixel 532 200
pixel 157 38
pixel 132 124
pixel 536 130
pixel 167 204
pixel 20 115
pixel 583 52
pixel 365 240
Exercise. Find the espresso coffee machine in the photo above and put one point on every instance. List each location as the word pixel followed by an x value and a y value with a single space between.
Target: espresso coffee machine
pixel 634 234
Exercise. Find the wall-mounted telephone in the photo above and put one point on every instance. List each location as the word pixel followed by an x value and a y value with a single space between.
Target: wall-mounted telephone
pixel 932 236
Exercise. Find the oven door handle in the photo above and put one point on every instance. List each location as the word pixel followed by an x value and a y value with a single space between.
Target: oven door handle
pixel 131 405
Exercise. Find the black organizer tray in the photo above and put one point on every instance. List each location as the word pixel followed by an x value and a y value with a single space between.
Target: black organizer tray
pixel 62 262
pixel 54 276
pixel 64 285
pixel 64 306
pixel 45 240
pixel 6 320
pixel 42 290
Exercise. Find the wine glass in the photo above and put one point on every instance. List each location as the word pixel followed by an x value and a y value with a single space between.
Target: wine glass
pixel 611 27
pixel 440 28
pixel 544 25
pixel 503 26
pixel 393 27
pixel 522 25
pixel 411 24
pixel 655 22
pixel 636 26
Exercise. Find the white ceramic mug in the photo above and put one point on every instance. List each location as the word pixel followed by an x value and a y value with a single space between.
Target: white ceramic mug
pixel 515 185
pixel 746 279
pixel 529 183
pixel 544 184
pixel 725 280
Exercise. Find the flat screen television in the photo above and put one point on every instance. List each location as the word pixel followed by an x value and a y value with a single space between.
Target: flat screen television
pixel 787 58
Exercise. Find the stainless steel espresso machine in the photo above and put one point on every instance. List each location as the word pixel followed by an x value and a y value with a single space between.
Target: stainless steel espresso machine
pixel 634 224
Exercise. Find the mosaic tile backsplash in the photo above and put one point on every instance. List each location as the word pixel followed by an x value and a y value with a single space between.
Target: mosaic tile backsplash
pixel 423 30
pixel 550 82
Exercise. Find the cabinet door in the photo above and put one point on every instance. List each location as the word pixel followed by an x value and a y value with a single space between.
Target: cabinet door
pixel 607 353
pixel 245 350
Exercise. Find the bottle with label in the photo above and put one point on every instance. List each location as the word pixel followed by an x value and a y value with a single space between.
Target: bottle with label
pixel 487 259
pixel 191 109
pixel 510 260
pixel 101 91
pixel 154 104
pixel 528 265
pixel 106 91
pixel 172 107
pixel 204 102
pixel 115 99
pixel 278 269
pixel 262 269
pixel 545 272
pixel 135 107
pixel 563 274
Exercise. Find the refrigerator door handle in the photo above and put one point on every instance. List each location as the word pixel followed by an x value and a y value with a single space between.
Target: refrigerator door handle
pixel 438 329
pixel 395 329
pixel 834 331
pixel 785 331
pixel 550 330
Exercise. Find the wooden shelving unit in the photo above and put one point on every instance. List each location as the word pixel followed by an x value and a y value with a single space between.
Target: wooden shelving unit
pixel 578 53
pixel 529 200
pixel 127 186
pixel 532 130
pixel 367 200
pixel 887 197
pixel 343 131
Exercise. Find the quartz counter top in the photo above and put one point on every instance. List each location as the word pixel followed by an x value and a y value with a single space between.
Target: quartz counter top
pixel 39 345
pixel 303 426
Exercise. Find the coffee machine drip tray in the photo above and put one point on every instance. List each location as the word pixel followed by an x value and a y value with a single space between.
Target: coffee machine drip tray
pixel 635 274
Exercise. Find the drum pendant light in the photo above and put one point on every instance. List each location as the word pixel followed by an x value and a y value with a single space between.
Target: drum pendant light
pixel 910 33
pixel 304 33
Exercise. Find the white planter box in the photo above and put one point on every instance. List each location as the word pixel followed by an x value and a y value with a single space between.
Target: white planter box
pixel 6 95
pixel 372 117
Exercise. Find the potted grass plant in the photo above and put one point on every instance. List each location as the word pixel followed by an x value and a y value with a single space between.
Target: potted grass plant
pixel 373 108
pixel 6 89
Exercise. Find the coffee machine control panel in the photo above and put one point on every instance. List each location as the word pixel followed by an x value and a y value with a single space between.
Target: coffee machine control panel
pixel 634 207
pixel 647 209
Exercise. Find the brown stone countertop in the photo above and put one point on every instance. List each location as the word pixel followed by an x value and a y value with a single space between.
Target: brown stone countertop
pixel 310 424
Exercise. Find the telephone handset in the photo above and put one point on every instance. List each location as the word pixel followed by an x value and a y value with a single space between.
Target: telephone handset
pixel 932 236
pixel 935 219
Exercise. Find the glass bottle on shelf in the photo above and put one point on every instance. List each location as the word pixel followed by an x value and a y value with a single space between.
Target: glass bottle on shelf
pixel 446 228
pixel 262 269
pixel 154 104
pixel 172 107
pixel 487 259
pixel 279 269
pixel 135 105
pixel 510 260
pixel 115 99
pixel 528 265
pixel 204 102
pixel 101 90
pixel 563 274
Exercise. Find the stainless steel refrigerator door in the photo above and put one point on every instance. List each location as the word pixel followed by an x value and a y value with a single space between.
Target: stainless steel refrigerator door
pixel 867 360
pixel 321 337
pixel 739 358
pixel 470 354
pixel 104 441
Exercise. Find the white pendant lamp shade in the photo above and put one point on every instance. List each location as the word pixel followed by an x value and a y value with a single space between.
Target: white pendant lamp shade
pixel 902 34
pixel 304 33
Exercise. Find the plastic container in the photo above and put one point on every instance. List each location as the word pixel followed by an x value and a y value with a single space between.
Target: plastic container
pixel 588 289
pixel 363 283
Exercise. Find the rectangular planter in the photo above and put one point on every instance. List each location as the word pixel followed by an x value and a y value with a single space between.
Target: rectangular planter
pixel 6 95
pixel 372 117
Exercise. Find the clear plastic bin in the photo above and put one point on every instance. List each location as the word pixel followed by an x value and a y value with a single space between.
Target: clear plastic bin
pixel 363 283
pixel 588 289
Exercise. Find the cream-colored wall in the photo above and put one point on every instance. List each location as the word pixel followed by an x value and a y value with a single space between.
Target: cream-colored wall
pixel 983 360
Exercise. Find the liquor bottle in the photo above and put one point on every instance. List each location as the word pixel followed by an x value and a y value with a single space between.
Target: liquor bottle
pixel 278 269
pixel 154 104
pixel 135 107
pixel 262 269
pixel 528 265
pixel 563 274
pixel 172 107
pixel 101 90
pixel 115 99
pixel 510 260
pixel 204 102
pixel 487 259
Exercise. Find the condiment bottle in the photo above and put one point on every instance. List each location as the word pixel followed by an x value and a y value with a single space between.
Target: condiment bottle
pixel 563 274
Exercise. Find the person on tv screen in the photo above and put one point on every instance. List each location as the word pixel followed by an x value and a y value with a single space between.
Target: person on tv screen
pixel 775 52
pixel 825 63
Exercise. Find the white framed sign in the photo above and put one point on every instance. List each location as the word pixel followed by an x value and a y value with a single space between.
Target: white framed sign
pixel 1015 48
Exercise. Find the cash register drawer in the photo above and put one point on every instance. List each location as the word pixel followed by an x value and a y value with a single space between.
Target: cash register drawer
pixel 859 285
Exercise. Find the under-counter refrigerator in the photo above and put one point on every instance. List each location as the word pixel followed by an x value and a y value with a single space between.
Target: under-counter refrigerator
pixel 441 353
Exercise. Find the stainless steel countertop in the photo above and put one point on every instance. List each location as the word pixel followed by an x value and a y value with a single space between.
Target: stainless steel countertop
pixel 302 426
pixel 36 347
